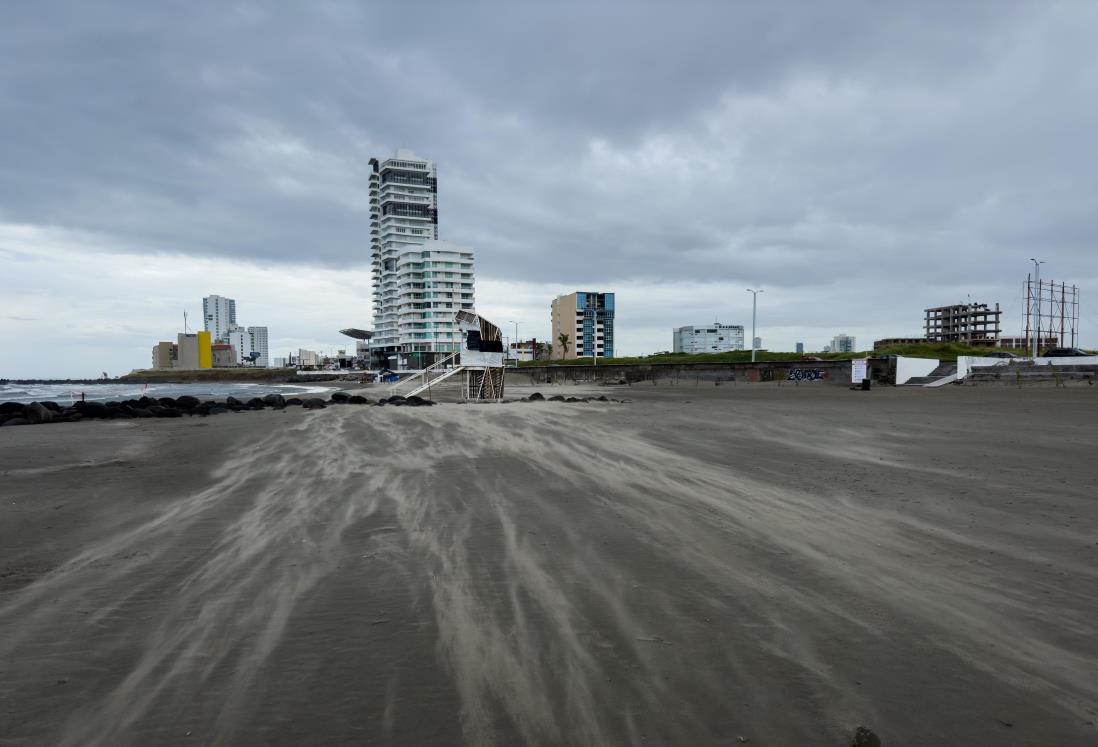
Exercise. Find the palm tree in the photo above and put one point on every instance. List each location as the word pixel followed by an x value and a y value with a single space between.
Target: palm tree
pixel 565 341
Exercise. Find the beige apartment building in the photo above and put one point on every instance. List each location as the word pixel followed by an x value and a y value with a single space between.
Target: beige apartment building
pixel 587 319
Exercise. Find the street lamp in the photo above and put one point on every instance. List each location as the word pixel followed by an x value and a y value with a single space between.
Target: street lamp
pixel 516 341
pixel 754 306
pixel 1036 303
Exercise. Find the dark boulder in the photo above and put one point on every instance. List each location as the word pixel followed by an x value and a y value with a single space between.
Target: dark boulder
pixel 415 401
pixel 274 400
pixel 200 409
pixel 52 406
pixel 93 409
pixel 314 403
pixel 536 397
pixel 146 401
pixel 358 399
pixel 142 412
pixel 12 408
pixel 218 410
pixel 70 417
pixel 187 402
pixel 233 403
pixel 36 413
pixel 556 398
pixel 340 398
pixel 601 398
pixel 15 421
pixel 297 401
pixel 255 403
pixel 169 412
pixel 166 402
pixel 865 737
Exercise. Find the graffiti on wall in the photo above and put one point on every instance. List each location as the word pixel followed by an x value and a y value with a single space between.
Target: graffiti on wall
pixel 806 374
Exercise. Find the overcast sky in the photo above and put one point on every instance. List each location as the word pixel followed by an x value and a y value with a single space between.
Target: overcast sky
pixel 859 161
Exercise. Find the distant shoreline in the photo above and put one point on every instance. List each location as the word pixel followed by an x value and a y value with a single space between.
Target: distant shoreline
pixel 207 376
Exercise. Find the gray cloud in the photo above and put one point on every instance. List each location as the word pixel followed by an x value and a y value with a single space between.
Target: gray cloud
pixel 915 151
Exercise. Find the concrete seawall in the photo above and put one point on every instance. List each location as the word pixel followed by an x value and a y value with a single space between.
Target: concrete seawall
pixel 803 372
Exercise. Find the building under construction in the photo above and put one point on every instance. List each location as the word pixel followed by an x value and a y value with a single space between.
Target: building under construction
pixel 974 324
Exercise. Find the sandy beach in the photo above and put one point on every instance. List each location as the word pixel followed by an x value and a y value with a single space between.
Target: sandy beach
pixel 702 565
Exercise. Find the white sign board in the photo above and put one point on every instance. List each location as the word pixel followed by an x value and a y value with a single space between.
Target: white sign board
pixel 859 370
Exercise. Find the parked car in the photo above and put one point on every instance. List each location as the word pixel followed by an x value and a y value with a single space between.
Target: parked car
pixel 1065 353
pixel 1000 354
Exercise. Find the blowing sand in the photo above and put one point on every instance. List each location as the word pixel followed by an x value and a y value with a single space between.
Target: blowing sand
pixel 702 565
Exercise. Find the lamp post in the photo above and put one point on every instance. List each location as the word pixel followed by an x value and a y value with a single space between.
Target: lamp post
pixel 754 307
pixel 1036 304
pixel 516 341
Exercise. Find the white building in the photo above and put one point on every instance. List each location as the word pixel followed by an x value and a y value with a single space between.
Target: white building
pixel 241 341
pixel 307 358
pixel 708 338
pixel 419 282
pixel 257 339
pixel 218 314
pixel 843 344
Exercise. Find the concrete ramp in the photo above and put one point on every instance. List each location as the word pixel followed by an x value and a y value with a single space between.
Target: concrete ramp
pixel 943 381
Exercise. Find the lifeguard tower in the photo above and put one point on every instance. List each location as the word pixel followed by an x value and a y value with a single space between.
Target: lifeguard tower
pixel 480 362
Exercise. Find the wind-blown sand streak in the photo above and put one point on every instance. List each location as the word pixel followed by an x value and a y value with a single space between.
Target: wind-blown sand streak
pixel 574 574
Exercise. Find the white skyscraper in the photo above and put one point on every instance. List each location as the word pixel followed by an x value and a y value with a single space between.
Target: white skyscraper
pixel 218 314
pixel 419 282
pixel 257 337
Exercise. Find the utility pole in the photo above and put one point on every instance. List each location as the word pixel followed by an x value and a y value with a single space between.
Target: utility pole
pixel 754 308
pixel 1036 304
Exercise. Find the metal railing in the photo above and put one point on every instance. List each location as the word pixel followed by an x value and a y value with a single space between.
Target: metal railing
pixel 424 376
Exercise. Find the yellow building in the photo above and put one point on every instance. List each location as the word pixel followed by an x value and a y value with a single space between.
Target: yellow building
pixel 205 352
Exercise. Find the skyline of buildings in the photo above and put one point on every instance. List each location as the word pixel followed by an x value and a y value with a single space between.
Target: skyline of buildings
pixel 250 344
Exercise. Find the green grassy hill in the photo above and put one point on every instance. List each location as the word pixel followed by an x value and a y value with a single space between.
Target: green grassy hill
pixel 941 351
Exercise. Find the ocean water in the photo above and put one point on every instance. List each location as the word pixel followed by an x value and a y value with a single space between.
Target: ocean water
pixel 64 394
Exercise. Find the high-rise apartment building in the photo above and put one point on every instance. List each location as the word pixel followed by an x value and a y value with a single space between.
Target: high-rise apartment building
pixel 708 338
pixel 257 337
pixel 419 281
pixel 843 344
pixel 218 314
pixel 587 320
pixel 800 348
pixel 241 341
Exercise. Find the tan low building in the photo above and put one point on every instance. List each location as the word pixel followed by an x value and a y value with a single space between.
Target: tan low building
pixel 164 355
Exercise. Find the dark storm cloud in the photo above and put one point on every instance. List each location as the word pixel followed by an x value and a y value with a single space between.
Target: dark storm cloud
pixel 789 143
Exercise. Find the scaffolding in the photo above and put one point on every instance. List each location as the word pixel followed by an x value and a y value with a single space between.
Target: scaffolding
pixel 1052 310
